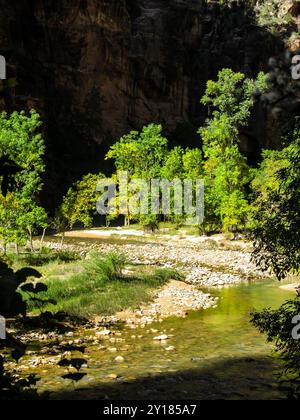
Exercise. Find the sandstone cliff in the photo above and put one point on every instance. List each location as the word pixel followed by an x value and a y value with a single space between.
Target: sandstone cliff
pixel 98 68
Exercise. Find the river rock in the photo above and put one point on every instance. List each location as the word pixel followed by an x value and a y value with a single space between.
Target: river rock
pixel 103 333
pixel 161 337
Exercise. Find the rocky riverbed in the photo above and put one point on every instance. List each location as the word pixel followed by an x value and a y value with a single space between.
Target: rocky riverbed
pixel 155 339
pixel 205 261
pixel 176 298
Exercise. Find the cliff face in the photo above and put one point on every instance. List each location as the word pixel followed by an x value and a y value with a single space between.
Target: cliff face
pixel 97 68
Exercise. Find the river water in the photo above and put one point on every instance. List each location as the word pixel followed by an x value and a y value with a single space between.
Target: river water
pixel 211 354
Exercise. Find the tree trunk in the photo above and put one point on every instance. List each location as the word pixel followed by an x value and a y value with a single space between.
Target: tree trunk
pixel 42 238
pixel 30 240
pixel 17 249
pixel 62 239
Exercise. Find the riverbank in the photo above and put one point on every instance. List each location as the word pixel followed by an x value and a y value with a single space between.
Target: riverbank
pixel 176 298
pixel 214 354
pixel 206 261
pixel 152 347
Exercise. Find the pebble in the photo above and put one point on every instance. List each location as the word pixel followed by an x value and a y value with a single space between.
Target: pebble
pixel 103 332
pixel 161 337
pixel 170 348
pixel 112 376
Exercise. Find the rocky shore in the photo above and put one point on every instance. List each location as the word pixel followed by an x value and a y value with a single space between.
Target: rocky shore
pixel 175 299
pixel 205 262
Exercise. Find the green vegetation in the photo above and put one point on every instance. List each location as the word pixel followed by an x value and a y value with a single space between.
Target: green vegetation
pixel 102 288
pixel 273 15
pixel 43 257
pixel 80 202
pixel 263 200
pixel 20 212
pixel 276 235
pixel 276 232
pixel 278 325
pixel 226 169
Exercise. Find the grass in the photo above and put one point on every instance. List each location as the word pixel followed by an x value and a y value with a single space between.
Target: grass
pixel 42 258
pixel 101 287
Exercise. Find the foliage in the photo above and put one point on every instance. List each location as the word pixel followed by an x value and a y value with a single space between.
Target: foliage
pixel 231 99
pixel 79 205
pixel 43 257
pixel 20 142
pixel 226 172
pixel 272 15
pixel 277 324
pixel 108 268
pixel 11 305
pixel 140 154
pixel 276 247
pixel 265 178
pixel 103 287
pixel 277 215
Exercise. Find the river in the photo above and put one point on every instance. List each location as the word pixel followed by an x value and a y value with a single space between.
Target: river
pixel 211 354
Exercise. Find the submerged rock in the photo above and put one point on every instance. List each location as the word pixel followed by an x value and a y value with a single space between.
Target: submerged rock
pixel 161 337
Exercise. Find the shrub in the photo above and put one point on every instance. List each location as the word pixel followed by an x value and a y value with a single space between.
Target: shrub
pixel 277 324
pixel 108 268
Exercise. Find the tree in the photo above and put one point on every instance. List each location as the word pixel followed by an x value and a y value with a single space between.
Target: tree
pixel 21 143
pixel 226 172
pixel 36 217
pixel 182 164
pixel 11 230
pixel 173 164
pixel 193 164
pixel 276 234
pixel 79 204
pixel 142 156
pixel 278 325
pixel 232 96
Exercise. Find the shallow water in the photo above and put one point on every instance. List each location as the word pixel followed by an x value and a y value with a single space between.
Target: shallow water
pixel 217 354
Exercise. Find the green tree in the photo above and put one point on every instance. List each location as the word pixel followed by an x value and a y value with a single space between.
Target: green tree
pixel 21 142
pixel 193 164
pixel 276 236
pixel 277 215
pixel 278 326
pixel 232 96
pixel 142 156
pixel 230 100
pixel 79 204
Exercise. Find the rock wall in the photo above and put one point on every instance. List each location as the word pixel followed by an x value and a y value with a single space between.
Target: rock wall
pixel 97 68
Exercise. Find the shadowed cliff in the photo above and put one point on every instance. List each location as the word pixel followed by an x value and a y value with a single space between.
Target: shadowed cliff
pixel 99 68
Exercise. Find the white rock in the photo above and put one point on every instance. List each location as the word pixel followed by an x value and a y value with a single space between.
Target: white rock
pixel 103 332
pixel 161 337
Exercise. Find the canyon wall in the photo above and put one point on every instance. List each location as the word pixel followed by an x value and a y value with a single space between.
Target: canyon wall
pixel 96 69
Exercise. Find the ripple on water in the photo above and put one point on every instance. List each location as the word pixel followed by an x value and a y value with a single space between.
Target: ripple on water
pixel 215 354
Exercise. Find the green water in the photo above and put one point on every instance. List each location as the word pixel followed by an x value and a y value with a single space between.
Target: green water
pixel 217 354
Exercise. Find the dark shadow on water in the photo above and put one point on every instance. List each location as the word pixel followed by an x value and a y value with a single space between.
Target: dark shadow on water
pixel 242 378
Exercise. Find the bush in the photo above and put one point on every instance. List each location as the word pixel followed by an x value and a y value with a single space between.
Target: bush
pixel 277 324
pixel 45 256
pixel 103 289
pixel 108 268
